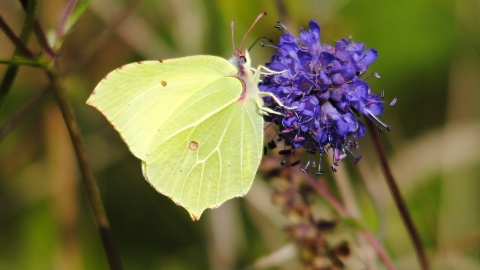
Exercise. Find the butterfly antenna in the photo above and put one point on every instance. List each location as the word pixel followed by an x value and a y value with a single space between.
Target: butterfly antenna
pixel 232 25
pixel 263 14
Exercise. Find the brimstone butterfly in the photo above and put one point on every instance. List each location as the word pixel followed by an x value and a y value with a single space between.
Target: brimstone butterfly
pixel 195 122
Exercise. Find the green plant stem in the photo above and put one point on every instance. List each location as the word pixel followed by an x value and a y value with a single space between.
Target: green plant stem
pixel 89 181
pixel 63 20
pixel 11 72
pixel 23 113
pixel 40 35
pixel 24 62
pixel 42 40
pixel 397 196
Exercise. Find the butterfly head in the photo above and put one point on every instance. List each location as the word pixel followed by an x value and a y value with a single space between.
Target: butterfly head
pixel 241 60
pixel 241 57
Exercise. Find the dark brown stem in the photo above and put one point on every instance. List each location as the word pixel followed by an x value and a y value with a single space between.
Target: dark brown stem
pixel 85 169
pixel 397 197
pixel 15 40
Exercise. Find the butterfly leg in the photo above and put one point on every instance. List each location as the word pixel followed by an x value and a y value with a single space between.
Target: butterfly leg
pixel 256 79
pixel 268 94
pixel 266 71
pixel 266 110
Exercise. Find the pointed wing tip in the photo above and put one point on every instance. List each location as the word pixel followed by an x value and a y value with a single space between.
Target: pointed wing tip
pixel 90 102
pixel 194 216
pixel 91 97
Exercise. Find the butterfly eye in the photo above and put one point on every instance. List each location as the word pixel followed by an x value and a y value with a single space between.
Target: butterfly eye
pixel 242 59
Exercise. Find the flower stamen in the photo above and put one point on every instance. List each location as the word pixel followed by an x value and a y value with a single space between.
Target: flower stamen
pixel 281 27
pixel 378 121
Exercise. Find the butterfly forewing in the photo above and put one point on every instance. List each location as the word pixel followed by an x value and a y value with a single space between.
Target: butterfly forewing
pixel 138 98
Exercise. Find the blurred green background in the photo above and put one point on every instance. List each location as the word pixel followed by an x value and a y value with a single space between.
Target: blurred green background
pixel 429 58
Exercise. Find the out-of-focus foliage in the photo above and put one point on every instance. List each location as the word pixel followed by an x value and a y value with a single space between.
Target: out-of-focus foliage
pixel 429 58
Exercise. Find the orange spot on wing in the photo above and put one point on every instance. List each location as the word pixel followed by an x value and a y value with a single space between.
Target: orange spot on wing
pixel 193 145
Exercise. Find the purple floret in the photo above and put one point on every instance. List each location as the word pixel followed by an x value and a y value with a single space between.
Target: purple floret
pixel 323 84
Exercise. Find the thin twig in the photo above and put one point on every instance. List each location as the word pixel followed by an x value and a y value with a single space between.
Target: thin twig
pixel 346 193
pixel 42 40
pixel 382 254
pixel 103 37
pixel 85 169
pixel 63 20
pixel 21 47
pixel 321 188
pixel 23 113
pixel 397 197
pixel 350 202
pixel 11 72
pixel 24 62
pixel 80 151
pixel 40 35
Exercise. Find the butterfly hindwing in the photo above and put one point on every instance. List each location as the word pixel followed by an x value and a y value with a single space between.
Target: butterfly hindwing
pixel 212 158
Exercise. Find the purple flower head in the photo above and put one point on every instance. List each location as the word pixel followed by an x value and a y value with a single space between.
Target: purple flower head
pixel 322 89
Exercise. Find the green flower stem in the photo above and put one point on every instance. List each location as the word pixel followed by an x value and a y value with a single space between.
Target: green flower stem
pixel 397 196
pixel 11 72
pixel 85 169
pixel 321 188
